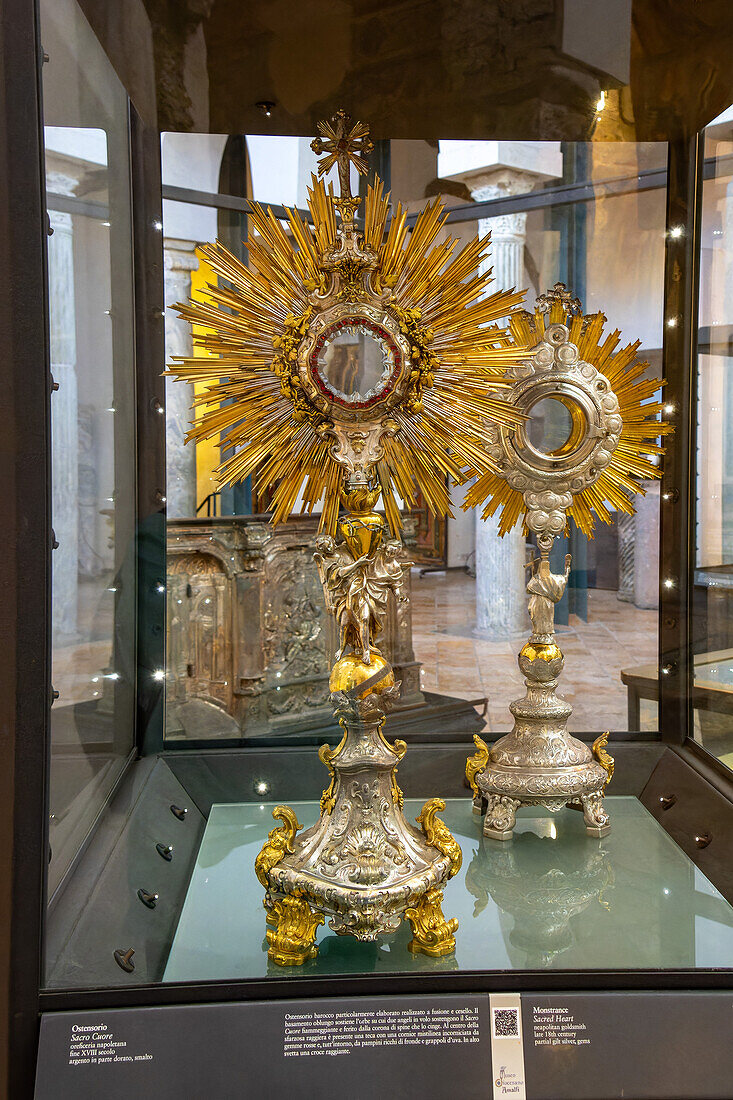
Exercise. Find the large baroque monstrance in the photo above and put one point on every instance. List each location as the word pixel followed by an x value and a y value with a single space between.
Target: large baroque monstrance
pixel 610 441
pixel 351 360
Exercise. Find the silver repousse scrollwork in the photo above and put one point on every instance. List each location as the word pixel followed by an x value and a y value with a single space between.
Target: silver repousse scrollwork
pixel 362 864
pixel 539 762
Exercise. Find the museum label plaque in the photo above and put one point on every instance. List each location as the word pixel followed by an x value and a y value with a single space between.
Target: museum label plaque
pixel 581 1046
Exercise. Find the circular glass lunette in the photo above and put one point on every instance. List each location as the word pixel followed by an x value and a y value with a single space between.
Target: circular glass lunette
pixel 355 362
pixel 557 426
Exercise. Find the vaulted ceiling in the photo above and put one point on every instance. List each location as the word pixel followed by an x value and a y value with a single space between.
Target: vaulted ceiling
pixel 514 69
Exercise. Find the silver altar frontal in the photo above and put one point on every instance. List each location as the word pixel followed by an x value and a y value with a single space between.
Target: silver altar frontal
pixel 539 763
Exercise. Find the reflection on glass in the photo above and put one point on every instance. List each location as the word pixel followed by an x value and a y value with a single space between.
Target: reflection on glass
pixel 544 885
pixel 610 250
pixel 355 365
pixel 550 899
pixel 92 428
pixel 713 599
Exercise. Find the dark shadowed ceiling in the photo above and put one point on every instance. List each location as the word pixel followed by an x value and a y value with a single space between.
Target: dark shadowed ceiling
pixel 513 69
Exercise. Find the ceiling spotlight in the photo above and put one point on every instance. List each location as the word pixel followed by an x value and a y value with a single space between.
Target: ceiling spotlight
pixel 266 106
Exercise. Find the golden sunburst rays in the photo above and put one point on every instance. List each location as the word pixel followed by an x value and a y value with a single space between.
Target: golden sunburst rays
pixel 444 288
pixel 634 457
pixel 253 321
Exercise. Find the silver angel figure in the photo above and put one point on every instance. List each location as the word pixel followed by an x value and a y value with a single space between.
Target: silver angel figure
pixel 545 589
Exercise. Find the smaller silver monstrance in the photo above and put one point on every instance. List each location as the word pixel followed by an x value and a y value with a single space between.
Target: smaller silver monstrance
pixel 611 424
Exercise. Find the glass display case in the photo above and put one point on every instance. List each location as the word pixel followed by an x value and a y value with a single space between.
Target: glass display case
pixel 177 660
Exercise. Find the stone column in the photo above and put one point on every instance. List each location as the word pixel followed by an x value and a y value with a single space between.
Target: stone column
pixel 646 549
pixel 64 412
pixel 180 459
pixel 625 526
pixel 501 600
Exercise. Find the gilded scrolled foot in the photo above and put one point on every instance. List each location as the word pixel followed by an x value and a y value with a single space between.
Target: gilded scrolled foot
pixel 474 766
pixel 603 757
pixel 501 816
pixel 270 917
pixel 291 941
pixel 279 843
pixel 594 814
pixel 432 934
pixel 438 835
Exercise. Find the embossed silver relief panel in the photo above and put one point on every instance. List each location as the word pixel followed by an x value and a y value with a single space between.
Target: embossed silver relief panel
pixel 260 650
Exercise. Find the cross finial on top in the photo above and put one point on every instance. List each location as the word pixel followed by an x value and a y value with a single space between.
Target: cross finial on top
pixel 344 145
pixel 559 293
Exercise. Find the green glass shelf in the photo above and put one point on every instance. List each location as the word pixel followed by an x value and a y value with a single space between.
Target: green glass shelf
pixel 551 898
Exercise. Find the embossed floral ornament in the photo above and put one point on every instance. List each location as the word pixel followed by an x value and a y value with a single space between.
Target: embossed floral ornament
pixel 319 285
pixel 367 847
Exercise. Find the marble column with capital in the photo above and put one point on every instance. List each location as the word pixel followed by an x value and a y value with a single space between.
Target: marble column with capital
pixel 501 602
pixel 180 460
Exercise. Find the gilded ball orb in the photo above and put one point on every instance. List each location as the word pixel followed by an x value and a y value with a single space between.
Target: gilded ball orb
pixel 541 661
pixel 350 670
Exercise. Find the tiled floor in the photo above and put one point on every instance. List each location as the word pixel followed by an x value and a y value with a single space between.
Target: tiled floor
pixel 80 663
pixel 455 662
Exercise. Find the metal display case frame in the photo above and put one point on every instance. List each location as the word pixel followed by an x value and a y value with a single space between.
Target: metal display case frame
pixel 700 786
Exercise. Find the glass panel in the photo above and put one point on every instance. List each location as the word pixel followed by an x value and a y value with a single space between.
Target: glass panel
pixel 549 426
pixel 609 250
pixel 464 638
pixel 171 879
pixel 92 425
pixel 549 900
pixel 355 363
pixel 713 588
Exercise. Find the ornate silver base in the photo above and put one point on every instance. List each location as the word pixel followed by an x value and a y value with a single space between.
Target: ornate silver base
pixel 506 789
pixel 361 865
pixel 539 763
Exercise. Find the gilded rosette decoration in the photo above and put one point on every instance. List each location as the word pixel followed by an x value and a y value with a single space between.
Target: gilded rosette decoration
pixel 352 361
pixel 612 439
